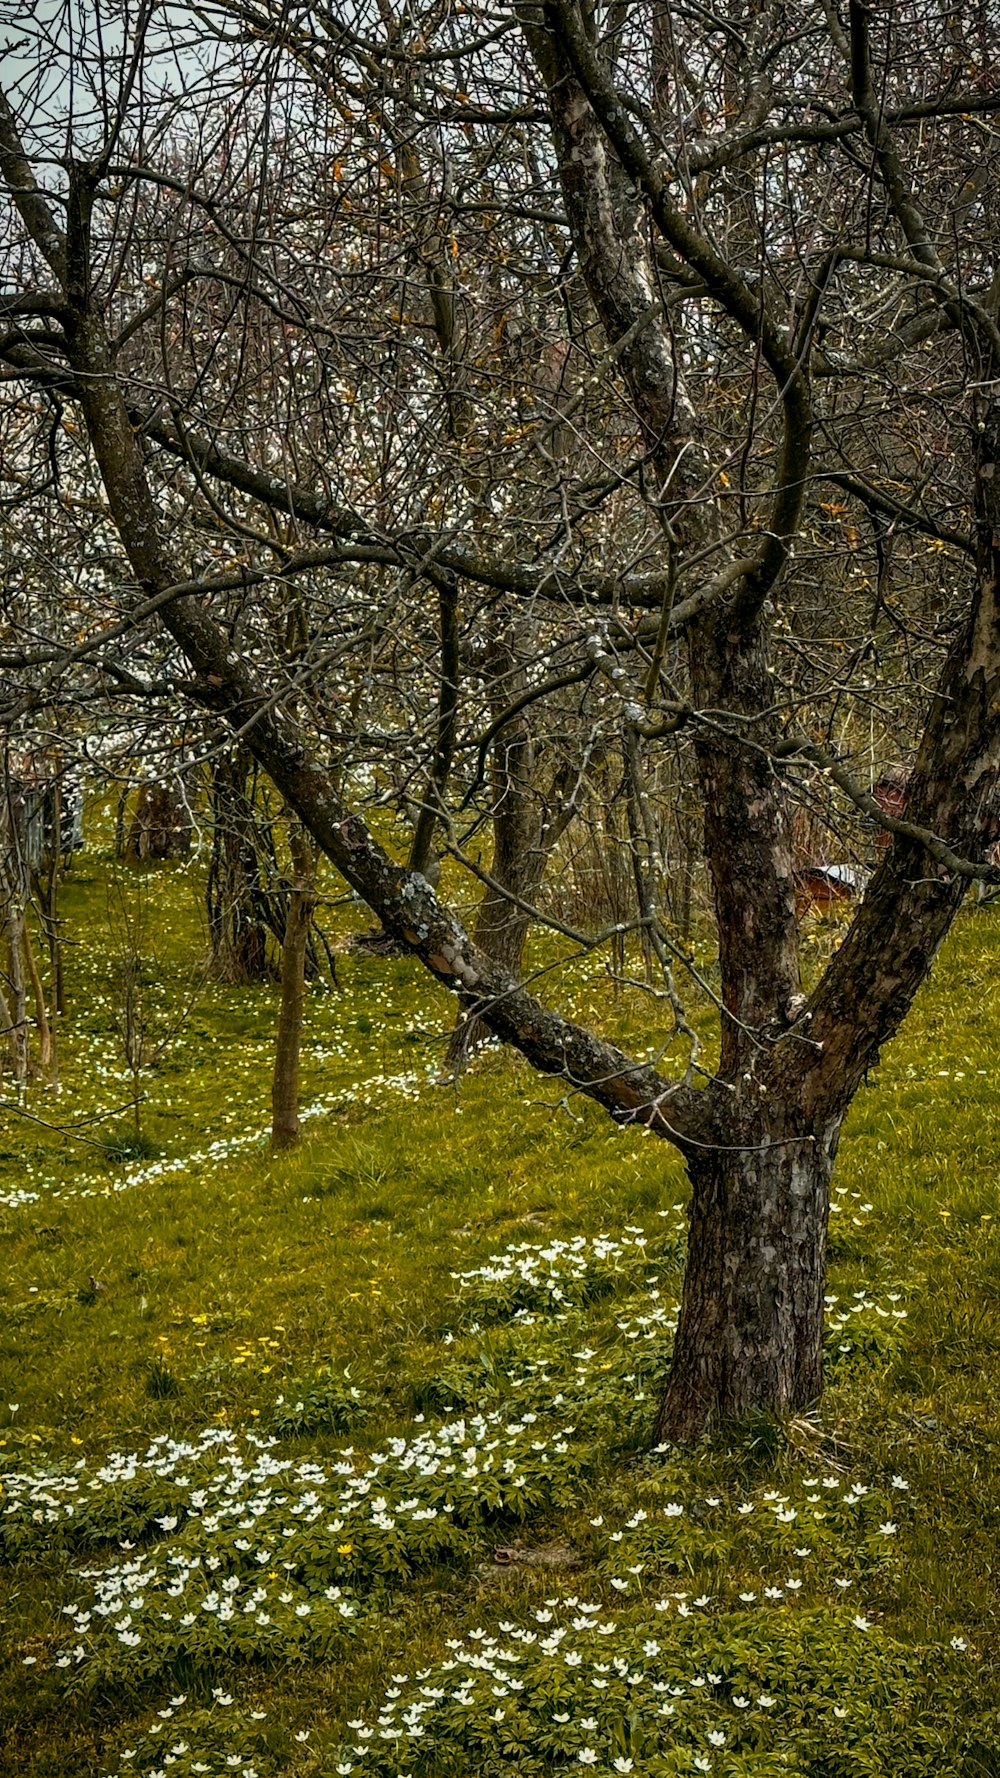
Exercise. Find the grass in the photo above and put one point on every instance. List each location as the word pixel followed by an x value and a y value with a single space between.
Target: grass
pixel 182 1281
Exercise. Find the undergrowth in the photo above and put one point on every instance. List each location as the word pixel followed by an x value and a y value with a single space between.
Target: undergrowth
pixel 339 1463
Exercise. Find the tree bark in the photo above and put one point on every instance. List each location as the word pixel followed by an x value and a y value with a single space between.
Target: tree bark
pixel 750 1335
pixel 748 839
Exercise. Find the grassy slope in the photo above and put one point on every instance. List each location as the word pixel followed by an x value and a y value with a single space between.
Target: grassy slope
pixel 198 1296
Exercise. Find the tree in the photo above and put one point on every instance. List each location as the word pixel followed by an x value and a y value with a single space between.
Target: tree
pixel 301 902
pixel 161 823
pixel 772 272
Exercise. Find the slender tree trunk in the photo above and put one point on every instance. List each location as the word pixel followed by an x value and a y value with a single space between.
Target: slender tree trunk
pixel 422 853
pixel 38 993
pixel 647 864
pixel 19 999
pixel 285 1084
pixel 121 810
pixel 50 901
pixel 520 843
pixel 45 888
pixel 518 856
pixel 7 1022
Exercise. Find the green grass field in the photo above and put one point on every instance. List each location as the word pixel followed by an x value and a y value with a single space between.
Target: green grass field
pixel 338 1463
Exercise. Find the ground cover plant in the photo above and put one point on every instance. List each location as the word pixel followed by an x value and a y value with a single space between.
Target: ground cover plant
pixel 339 1462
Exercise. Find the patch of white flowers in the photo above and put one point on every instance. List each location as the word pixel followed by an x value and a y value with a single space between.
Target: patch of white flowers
pixel 562 1273
pixel 231 1517
pixel 228 1548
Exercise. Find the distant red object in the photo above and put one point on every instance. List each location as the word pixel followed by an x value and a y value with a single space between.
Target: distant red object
pixel 820 887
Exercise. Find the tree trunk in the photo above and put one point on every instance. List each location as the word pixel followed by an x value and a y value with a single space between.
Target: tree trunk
pixel 18 993
pixel 41 1010
pixel 518 856
pixel 285 1084
pixel 239 915
pixel 121 810
pixel 161 824
pixel 422 851
pixel 750 1336
pixel 8 1030
pixel 501 923
pixel 48 900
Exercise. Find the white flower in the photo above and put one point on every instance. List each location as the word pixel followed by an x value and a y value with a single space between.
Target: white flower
pixel 764 1701
pixel 888 1529
pixel 860 1623
pixel 716 1738
pixel 587 1756
pixel 562 1716
pixel 959 1644
pixel 622 1765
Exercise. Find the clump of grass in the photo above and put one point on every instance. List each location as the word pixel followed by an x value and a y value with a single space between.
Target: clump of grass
pixel 130 1145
